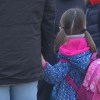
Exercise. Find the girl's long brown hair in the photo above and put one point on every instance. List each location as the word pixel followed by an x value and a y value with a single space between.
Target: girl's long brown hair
pixel 73 22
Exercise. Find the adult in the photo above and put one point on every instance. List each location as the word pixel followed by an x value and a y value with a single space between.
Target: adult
pixel 93 18
pixel 24 25
pixel 61 7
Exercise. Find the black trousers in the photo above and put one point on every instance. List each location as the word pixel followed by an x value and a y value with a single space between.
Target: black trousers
pixel 44 88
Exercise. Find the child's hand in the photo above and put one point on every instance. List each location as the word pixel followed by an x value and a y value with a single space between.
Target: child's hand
pixel 43 61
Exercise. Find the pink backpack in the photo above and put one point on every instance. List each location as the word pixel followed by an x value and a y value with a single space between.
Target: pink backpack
pixel 90 88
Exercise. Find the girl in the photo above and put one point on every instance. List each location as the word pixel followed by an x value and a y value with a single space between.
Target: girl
pixel 74 44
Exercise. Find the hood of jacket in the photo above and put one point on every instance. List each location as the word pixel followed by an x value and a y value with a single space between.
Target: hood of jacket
pixel 77 52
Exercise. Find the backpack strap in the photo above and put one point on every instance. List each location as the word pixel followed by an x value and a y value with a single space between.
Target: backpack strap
pixel 68 78
pixel 64 60
pixel 94 57
pixel 72 83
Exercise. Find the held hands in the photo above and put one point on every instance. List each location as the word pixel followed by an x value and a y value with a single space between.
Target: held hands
pixel 43 61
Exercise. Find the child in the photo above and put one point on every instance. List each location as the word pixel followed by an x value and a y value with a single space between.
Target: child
pixel 74 44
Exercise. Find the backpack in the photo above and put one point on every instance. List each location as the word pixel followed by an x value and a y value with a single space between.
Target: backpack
pixel 90 88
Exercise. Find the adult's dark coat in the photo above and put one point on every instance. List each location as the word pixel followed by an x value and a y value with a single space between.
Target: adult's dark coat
pixel 22 24
pixel 93 26
pixel 61 6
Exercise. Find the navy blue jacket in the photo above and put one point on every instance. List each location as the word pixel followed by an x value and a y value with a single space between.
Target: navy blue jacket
pixel 92 23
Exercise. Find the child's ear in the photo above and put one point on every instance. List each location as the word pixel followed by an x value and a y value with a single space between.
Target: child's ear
pixel 60 28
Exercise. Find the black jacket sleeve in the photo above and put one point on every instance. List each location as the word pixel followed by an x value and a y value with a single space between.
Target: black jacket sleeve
pixel 47 26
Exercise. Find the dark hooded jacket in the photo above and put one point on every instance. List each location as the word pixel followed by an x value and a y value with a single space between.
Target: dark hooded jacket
pixel 22 24
pixel 93 23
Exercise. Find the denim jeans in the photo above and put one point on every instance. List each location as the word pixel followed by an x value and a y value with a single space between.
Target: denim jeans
pixel 26 91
